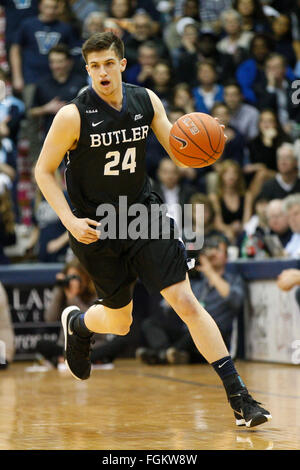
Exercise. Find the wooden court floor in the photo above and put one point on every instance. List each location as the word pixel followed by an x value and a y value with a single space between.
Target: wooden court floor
pixel 135 406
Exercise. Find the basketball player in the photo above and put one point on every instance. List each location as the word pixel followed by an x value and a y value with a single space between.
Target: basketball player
pixel 103 134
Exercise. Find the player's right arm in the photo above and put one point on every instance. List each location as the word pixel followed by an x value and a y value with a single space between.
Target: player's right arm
pixel 62 137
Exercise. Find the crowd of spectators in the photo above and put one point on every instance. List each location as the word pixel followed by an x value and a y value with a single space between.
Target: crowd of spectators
pixel 238 60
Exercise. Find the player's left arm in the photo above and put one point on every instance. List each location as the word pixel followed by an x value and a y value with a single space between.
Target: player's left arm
pixel 161 125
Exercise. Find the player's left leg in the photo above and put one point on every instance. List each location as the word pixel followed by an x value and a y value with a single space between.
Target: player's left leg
pixel 208 339
pixel 79 327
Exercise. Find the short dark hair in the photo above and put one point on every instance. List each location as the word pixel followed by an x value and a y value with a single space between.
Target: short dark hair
pixel 102 42
pixel 218 104
pixel 61 49
pixel 234 83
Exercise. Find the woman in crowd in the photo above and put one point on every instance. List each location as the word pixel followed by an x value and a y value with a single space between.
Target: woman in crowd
pixel 231 202
pixel 263 150
pixel 282 35
pixel 162 78
pixel 183 98
pixel 252 14
pixel 236 41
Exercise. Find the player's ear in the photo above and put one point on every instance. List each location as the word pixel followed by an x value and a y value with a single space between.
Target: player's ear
pixel 87 69
pixel 123 64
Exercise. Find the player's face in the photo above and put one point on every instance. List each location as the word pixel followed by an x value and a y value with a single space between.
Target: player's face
pixel 105 69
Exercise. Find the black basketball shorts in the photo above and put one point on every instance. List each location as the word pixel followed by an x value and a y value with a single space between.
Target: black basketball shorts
pixel 115 265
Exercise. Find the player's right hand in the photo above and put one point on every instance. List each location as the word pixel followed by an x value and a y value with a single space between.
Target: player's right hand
pixel 83 232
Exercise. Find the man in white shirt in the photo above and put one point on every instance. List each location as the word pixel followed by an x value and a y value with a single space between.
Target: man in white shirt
pixel 292 207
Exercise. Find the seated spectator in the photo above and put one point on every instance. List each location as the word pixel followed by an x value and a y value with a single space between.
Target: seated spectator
pixel 275 91
pixel 94 23
pixel 185 12
pixel 35 38
pixel 286 181
pixel 236 41
pixel 29 57
pixel 202 227
pixel 210 11
pixel 183 98
pixel 7 219
pixel 12 111
pixel 253 16
pixel 250 72
pixel 49 236
pixel 222 293
pixel 243 117
pixel 141 73
pixel 206 49
pixel 121 9
pixel 282 35
pixel 7 334
pixel 74 12
pixel 175 113
pixel 53 92
pixel 162 81
pixel 257 224
pixel 9 171
pixel 235 148
pixel 14 17
pixel 189 40
pixel 80 9
pixel 111 25
pixel 8 164
pixel 295 21
pixel 232 203
pixel 278 221
pixel 73 287
pixel 142 31
pixel 121 12
pixel 171 190
pixel 292 208
pixel 208 91
pixel 263 148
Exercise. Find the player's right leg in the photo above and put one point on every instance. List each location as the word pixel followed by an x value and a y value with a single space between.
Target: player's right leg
pixel 79 328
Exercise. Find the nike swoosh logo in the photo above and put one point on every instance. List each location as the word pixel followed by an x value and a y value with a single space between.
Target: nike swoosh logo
pixel 221 365
pixel 182 141
pixel 94 124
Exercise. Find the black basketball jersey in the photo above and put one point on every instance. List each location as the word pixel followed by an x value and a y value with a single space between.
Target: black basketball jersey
pixel 109 160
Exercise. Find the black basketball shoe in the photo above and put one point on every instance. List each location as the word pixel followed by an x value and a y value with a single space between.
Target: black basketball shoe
pixel 77 350
pixel 247 411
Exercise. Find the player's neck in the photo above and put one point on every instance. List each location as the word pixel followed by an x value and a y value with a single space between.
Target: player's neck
pixel 115 99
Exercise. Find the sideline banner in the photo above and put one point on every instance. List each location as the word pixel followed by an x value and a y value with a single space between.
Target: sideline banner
pixel 272 324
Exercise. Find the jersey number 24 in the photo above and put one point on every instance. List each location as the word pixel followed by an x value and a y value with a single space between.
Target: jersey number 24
pixel 128 162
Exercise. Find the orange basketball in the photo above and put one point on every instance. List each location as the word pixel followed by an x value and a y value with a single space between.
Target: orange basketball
pixel 197 140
